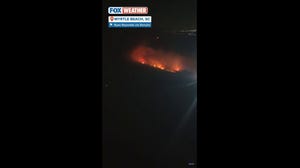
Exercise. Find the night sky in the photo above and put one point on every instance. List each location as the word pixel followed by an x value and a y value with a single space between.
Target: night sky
pixel 149 115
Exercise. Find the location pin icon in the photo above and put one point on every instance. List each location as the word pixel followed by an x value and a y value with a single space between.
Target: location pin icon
pixel 111 18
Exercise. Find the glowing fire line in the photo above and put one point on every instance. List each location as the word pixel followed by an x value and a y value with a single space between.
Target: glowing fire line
pixel 167 61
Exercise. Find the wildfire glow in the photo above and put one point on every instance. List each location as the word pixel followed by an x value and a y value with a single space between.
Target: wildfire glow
pixel 163 60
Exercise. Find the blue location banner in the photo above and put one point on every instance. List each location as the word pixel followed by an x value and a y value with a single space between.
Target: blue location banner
pixel 129 21
pixel 129 24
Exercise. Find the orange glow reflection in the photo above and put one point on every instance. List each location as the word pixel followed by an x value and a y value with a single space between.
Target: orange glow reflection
pixel 167 61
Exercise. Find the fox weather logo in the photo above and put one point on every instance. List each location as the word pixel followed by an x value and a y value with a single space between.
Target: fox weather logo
pixel 127 10
pixel 129 21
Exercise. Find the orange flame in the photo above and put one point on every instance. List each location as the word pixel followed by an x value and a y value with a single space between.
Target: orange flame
pixel 167 61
